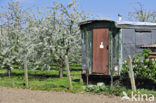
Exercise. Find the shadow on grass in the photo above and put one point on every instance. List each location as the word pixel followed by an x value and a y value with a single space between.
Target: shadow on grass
pixel 76 80
pixel 33 76
pixel 75 69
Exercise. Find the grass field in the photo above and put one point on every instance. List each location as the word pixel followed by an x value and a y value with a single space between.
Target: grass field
pixel 42 80
pixel 49 80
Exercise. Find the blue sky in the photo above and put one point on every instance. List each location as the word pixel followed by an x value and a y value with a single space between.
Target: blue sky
pixel 108 9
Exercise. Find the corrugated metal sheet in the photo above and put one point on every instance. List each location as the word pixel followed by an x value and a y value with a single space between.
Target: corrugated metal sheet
pixel 153 36
pixel 144 26
pixel 136 23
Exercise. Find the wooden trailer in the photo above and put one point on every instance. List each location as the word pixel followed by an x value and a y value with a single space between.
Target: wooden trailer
pixel 106 44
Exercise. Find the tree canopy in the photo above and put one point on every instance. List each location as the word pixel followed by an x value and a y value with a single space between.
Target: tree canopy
pixel 41 39
pixel 141 14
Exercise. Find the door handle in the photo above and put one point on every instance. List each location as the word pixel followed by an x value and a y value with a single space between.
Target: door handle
pixel 107 47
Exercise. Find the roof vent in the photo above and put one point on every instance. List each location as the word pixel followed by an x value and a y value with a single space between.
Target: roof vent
pixel 119 17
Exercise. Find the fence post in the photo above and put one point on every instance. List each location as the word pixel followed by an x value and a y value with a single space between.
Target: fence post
pixel 26 73
pixel 13 83
pixel 131 73
pixel 68 72
pixel 87 76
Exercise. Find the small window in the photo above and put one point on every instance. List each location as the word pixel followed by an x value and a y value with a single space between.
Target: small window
pixel 142 30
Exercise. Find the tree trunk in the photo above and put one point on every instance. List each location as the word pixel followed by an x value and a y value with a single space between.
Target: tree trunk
pixel 61 71
pixel 68 73
pixel 26 73
pixel 9 71
pixel 60 64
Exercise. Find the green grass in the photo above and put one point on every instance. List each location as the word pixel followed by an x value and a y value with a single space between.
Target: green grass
pixel 117 90
pixel 146 91
pixel 42 80
pixel 49 80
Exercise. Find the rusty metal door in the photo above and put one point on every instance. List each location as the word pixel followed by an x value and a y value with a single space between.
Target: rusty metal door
pixel 100 50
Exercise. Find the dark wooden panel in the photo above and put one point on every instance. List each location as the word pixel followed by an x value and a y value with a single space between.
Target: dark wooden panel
pixel 152 55
pixel 100 55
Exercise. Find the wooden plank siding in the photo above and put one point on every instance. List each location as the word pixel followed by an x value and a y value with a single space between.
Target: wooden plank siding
pixel 87 44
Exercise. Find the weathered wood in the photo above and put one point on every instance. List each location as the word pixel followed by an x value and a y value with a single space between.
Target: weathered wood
pixel 13 83
pixel 111 81
pixel 26 73
pixel 87 75
pixel 68 73
pixel 152 55
pixel 131 73
pixel 120 51
pixel 89 59
pixel 100 50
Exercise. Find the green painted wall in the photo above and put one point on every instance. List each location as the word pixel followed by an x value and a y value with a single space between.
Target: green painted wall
pixel 114 45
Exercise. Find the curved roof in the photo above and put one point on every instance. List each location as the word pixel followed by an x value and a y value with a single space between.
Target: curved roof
pixel 91 21
pixel 124 24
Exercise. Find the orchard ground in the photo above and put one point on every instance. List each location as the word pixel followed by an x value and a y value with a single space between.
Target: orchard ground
pixel 46 87
pixel 14 95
